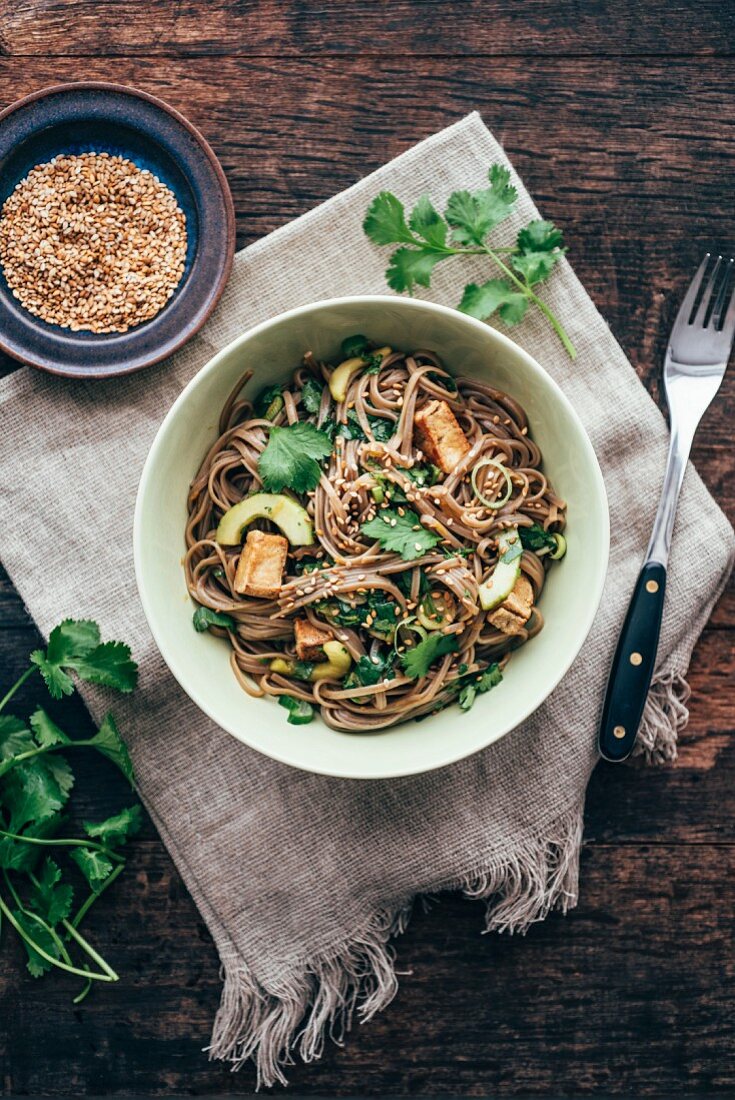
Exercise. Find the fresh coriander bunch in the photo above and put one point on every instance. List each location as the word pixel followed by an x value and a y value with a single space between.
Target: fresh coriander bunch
pixel 427 238
pixel 35 785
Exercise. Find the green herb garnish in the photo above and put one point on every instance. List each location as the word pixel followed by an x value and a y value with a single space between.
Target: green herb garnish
pixel 366 672
pixel 290 461
pixel 35 785
pixel 477 684
pixel 75 645
pixel 268 403
pixel 416 661
pixel 300 712
pixel 204 617
pixel 535 538
pixel 311 395
pixel 396 532
pixel 427 238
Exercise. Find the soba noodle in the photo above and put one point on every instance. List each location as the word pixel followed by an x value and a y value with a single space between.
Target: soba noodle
pixel 349 566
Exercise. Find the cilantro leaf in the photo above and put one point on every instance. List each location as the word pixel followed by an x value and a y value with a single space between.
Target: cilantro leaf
pixel 56 680
pixel 382 428
pixel 46 732
pixel 76 645
pixel 477 684
pixel 411 267
pixel 17 856
pixel 473 214
pixel 204 617
pixel 71 639
pixel 51 898
pixel 95 866
pixel 428 223
pixel 108 741
pixel 540 236
pixel 366 672
pixel 109 664
pixel 536 538
pixel 396 532
pixel 34 931
pixel 15 737
pixel 290 459
pixel 116 829
pixel 495 294
pixel 35 789
pixel 385 221
pixel 354 346
pixel 311 395
pixel 416 661
pixel 535 266
pixel 300 712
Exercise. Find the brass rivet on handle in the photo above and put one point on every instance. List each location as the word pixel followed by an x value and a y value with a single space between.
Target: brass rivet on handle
pixel 635 658
pixel 619 732
pixel 651 586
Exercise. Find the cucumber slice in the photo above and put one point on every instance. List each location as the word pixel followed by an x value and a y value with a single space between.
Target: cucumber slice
pixel 287 514
pixel 501 581
pixel 340 377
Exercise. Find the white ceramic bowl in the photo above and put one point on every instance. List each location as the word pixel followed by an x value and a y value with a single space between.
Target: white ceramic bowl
pixel 200 662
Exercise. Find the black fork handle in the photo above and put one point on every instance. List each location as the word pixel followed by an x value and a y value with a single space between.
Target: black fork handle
pixel 633 665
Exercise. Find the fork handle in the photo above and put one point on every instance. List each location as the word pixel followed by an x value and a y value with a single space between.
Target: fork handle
pixel 633 664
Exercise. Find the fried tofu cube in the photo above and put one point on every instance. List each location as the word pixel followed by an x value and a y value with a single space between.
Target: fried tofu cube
pixel 310 640
pixel 514 613
pixel 440 437
pixel 261 565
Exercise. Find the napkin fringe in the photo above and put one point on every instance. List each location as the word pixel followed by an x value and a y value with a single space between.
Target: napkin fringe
pixel 665 716
pixel 322 998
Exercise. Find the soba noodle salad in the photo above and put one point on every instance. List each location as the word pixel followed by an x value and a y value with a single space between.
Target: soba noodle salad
pixel 371 538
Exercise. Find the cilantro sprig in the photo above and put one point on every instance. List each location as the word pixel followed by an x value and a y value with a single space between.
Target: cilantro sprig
pixel 426 238
pixel 36 780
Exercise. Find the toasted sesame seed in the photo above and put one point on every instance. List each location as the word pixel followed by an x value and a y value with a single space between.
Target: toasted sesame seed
pixel 91 242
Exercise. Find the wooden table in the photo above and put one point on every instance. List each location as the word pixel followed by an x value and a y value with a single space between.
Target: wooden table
pixel 620 118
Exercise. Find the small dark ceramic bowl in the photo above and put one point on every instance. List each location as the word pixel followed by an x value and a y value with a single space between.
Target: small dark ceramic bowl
pixel 111 118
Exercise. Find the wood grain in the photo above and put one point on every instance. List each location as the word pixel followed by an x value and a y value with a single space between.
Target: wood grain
pixel 626 138
pixel 421 28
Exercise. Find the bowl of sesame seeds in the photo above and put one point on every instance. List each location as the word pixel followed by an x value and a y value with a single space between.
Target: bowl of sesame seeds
pixel 117 230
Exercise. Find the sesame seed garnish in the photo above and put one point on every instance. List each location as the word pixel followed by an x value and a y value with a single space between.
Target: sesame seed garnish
pixel 92 242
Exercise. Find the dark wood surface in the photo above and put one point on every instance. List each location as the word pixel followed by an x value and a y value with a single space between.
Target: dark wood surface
pixel 620 118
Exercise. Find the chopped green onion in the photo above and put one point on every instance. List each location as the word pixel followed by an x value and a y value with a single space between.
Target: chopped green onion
pixel 300 712
pixel 498 465
pixel 378 494
pixel 561 547
pixel 274 408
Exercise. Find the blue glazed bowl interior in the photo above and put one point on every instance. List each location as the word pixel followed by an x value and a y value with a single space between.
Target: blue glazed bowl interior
pixel 93 136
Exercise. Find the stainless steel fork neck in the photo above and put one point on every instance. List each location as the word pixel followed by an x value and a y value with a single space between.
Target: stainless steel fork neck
pixel 687 404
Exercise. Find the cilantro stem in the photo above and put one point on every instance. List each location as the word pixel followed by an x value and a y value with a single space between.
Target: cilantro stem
pixel 16 686
pixel 525 289
pixel 108 976
pixel 35 916
pixel 94 955
pixel 84 991
pixel 8 765
pixel 87 905
pixel 63 842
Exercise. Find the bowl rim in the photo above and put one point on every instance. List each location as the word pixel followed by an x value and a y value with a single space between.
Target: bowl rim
pixel 229 212
pixel 451 756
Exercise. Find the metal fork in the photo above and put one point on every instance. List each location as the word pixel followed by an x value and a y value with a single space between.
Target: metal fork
pixel 696 358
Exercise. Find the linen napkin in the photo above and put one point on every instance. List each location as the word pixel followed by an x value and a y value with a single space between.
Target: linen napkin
pixel 303 879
